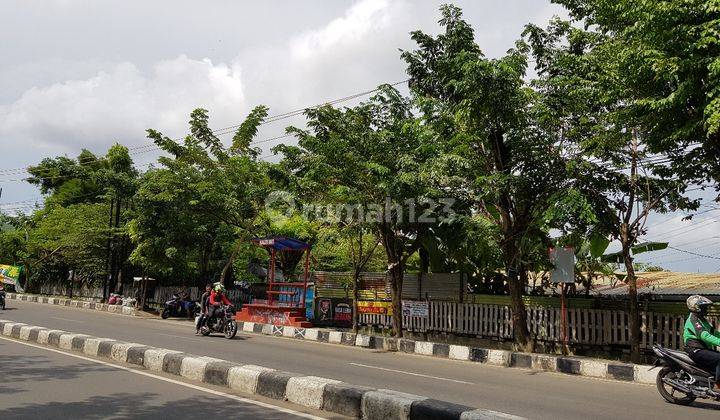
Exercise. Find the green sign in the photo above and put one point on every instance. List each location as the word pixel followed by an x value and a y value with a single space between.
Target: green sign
pixel 10 274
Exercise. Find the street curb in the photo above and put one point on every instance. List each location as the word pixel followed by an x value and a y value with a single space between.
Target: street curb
pixel 571 365
pixel 303 390
pixel 113 309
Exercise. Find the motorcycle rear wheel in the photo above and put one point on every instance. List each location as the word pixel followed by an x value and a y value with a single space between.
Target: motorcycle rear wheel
pixel 230 329
pixel 669 393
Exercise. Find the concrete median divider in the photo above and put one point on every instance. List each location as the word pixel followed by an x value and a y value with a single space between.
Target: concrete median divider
pixel 82 304
pixel 583 366
pixel 597 368
pixel 307 391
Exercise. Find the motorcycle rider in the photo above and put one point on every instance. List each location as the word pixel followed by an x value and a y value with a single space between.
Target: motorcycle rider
pixel 700 337
pixel 204 302
pixel 217 298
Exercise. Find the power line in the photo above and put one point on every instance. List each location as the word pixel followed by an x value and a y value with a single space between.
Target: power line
pixel 660 222
pixel 87 161
pixel 703 223
pixel 32 204
pixel 714 257
pixel 301 111
pixel 696 242
pixel 224 130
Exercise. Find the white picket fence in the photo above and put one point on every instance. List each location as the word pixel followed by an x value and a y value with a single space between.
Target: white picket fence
pixel 584 326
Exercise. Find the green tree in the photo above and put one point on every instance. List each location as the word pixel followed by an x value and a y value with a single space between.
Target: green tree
pixel 666 59
pixel 585 95
pixel 68 181
pixel 202 203
pixel 63 239
pixel 374 158
pixel 514 165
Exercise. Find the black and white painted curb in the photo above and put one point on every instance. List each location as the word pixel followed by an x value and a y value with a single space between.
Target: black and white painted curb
pixel 307 391
pixel 595 368
pixel 116 309
pixel 582 366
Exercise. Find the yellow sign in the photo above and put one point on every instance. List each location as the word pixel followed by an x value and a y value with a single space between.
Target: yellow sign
pixel 10 274
pixel 375 307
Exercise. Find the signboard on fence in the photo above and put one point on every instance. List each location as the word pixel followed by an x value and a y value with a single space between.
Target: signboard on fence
pixel 417 308
pixel 564 261
pixel 375 307
pixel 336 312
pixel 10 274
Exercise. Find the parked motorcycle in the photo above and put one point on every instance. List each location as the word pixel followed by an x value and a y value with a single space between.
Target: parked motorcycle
pixel 2 300
pixel 681 381
pixel 224 322
pixel 176 307
pixel 115 299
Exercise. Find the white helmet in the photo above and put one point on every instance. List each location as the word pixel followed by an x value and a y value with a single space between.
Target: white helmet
pixel 698 304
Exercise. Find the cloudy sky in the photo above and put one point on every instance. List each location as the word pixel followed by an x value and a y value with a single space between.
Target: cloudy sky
pixel 86 73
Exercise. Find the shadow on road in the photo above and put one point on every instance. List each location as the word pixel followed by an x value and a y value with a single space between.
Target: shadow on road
pixel 143 405
pixel 17 368
pixel 9 390
pixel 218 337
pixel 706 406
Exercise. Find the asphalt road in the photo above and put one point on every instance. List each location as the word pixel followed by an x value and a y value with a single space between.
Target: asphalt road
pixel 39 383
pixel 535 395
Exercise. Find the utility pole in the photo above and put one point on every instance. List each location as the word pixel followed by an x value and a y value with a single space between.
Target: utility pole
pixel 114 257
pixel 107 256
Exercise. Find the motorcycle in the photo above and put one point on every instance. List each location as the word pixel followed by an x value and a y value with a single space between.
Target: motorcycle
pixel 2 300
pixel 679 374
pixel 176 307
pixel 223 322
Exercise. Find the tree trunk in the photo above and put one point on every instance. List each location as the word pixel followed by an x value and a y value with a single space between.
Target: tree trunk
pixel 634 318
pixel 355 297
pixel 27 277
pixel 115 261
pixel 108 264
pixel 521 334
pixel 397 271
pixel 204 262
pixel 628 236
pixel 228 265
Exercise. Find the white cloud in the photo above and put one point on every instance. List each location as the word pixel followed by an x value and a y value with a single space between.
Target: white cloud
pixel 352 52
pixel 359 20
pixel 121 103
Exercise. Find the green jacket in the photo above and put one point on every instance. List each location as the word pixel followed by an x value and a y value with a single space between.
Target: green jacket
pixel 699 334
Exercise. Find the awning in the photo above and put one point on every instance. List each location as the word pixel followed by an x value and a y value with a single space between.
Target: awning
pixel 280 243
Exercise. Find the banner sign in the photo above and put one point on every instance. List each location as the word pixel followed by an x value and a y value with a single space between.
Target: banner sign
pixel 10 274
pixel 335 312
pixel 418 308
pixel 374 307
pixel 564 261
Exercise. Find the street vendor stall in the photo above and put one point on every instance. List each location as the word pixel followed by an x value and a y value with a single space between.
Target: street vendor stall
pixel 285 303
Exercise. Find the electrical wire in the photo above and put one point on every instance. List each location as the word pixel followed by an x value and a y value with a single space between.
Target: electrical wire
pixel 226 130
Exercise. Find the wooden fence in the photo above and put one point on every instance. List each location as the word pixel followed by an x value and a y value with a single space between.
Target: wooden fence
pixel 596 327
